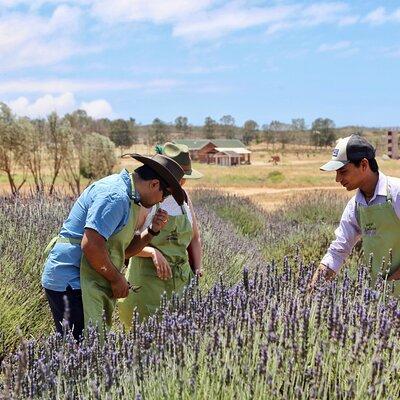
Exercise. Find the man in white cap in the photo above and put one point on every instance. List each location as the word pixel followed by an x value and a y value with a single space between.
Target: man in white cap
pixel 372 214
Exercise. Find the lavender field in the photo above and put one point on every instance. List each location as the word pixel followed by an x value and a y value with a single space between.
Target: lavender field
pixel 247 330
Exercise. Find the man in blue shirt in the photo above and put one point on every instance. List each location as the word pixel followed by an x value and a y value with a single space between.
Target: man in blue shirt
pixel 98 234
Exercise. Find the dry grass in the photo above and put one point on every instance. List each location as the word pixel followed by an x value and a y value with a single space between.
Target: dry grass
pixel 299 168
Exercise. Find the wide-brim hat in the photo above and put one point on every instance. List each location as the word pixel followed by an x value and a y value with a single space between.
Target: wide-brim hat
pixel 351 148
pixel 168 170
pixel 180 154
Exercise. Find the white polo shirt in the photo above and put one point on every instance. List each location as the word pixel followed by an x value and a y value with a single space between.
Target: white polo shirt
pixel 349 232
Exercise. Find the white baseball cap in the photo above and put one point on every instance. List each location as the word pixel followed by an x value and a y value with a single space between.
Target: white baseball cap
pixel 351 148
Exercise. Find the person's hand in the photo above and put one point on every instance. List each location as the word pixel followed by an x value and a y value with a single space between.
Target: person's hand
pixel 322 273
pixel 198 271
pixel 159 220
pixel 163 269
pixel 395 276
pixel 120 287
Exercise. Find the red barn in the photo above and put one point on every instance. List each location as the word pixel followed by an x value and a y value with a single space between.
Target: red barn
pixel 217 151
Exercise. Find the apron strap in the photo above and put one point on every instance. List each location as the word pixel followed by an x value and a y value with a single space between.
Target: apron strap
pixel 389 197
pixel 357 211
pixel 60 239
pixel 183 209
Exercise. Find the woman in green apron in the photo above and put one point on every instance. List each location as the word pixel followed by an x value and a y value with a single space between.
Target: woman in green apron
pixel 169 263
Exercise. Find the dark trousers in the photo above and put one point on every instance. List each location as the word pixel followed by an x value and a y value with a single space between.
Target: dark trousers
pixel 67 305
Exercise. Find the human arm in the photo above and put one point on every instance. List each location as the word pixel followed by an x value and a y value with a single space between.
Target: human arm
pixel 95 251
pixel 141 240
pixel 160 263
pixel 106 212
pixel 194 249
pixel 347 235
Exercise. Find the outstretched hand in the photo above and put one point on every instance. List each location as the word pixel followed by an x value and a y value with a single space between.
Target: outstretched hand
pixel 324 274
pixel 159 220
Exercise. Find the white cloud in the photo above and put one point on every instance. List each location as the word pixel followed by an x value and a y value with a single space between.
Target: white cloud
pixel 380 16
pixel 238 16
pixel 43 105
pixel 349 20
pixel 230 18
pixel 97 108
pixel 329 47
pixel 319 13
pixel 145 10
pixel 376 17
pixel 67 85
pixel 62 104
pixel 28 40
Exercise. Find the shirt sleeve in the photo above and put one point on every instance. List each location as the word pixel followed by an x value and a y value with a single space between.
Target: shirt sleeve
pixel 106 213
pixel 347 235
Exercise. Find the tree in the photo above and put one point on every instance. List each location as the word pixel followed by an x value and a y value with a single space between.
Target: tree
pixel 158 132
pixel 123 134
pixel 98 156
pixel 58 134
pixel 72 164
pixel 227 123
pixel 269 136
pixel 181 125
pixel 298 124
pixel 323 132
pixel 11 154
pixel 283 132
pixel 209 128
pixel 250 128
pixel 34 149
pixel 80 121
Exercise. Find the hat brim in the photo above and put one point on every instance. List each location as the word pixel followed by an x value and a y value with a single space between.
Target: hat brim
pixel 193 175
pixel 333 165
pixel 176 189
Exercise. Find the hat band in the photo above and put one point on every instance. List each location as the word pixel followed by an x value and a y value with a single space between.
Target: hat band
pixel 187 168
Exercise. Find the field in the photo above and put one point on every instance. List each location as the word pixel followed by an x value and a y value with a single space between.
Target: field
pixel 248 330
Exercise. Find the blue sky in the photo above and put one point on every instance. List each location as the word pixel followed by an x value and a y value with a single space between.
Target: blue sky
pixel 253 59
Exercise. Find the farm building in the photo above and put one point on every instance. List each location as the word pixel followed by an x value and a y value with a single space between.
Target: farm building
pixel 217 151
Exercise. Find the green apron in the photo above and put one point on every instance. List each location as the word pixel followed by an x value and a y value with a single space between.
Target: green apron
pixel 97 295
pixel 172 242
pixel 380 230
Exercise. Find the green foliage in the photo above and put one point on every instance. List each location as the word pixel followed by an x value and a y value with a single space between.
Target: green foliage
pixel 227 124
pixel 122 134
pixel 323 133
pixel 12 137
pixel 245 220
pixel 181 125
pixel 275 177
pixel 209 128
pixel 98 156
pixel 158 132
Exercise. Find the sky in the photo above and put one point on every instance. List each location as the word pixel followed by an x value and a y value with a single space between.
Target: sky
pixel 252 59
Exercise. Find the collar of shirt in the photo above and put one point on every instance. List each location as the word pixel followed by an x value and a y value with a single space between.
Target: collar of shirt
pixel 126 177
pixel 380 190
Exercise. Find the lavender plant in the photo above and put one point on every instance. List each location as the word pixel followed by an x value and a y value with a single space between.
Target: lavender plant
pixel 261 338
pixel 250 330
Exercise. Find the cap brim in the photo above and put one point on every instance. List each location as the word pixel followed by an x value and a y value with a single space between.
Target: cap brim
pixel 193 175
pixel 333 165
pixel 176 190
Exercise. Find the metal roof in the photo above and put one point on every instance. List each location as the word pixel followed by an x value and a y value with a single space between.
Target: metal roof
pixel 197 144
pixel 237 150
